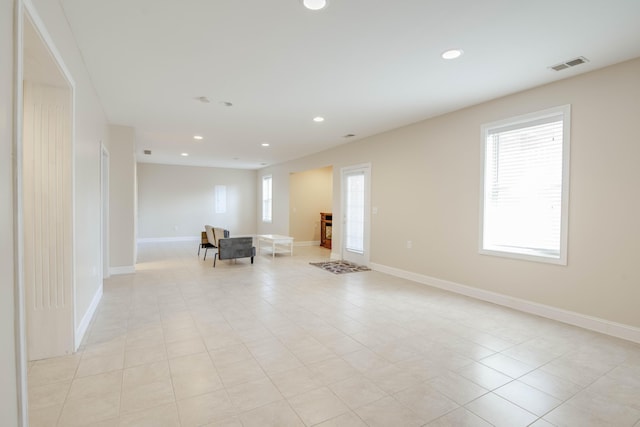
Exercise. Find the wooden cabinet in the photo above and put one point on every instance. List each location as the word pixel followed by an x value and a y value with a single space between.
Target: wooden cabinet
pixel 325 229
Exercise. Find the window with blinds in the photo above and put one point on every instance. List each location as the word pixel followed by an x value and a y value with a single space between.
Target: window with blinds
pixel 525 186
pixel 220 195
pixel 267 199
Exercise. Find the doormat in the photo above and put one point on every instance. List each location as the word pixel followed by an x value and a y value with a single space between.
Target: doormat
pixel 340 267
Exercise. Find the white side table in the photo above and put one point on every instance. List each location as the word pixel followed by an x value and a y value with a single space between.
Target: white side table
pixel 276 241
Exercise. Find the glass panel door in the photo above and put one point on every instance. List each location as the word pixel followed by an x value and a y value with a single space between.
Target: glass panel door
pixel 354 212
pixel 355 208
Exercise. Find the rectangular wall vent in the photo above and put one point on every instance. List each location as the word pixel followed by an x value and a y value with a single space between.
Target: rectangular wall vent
pixel 147 152
pixel 571 63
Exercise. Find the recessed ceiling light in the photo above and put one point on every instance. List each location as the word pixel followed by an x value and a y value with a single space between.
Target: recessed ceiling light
pixel 198 137
pixel 314 4
pixel 265 144
pixel 452 54
pixel 318 119
pixel 184 154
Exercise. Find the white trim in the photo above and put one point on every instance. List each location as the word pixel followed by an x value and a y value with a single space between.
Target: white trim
pixel 309 243
pixel 168 239
pixel 104 210
pixel 19 298
pixel 596 324
pixel 82 328
pixel 125 269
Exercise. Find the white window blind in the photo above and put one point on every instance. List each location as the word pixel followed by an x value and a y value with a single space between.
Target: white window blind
pixel 524 186
pixel 267 199
pixel 220 198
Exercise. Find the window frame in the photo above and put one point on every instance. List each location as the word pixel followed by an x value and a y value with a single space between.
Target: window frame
pixel 521 122
pixel 267 218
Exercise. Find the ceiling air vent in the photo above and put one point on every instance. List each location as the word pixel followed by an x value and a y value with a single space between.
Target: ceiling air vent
pixel 147 152
pixel 571 63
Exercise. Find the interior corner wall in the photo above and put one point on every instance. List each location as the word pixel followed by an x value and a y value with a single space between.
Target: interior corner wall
pixel 176 202
pixel 8 367
pixel 425 183
pixel 310 193
pixel 122 199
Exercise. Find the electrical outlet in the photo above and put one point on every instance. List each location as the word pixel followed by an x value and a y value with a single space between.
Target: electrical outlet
pixel 409 244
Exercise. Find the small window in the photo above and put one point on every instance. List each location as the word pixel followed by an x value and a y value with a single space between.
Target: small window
pixel 525 186
pixel 221 198
pixel 267 199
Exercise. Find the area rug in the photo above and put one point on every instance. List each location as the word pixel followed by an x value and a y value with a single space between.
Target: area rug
pixel 340 267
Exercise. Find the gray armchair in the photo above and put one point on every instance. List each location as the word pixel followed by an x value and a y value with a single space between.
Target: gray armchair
pixel 235 247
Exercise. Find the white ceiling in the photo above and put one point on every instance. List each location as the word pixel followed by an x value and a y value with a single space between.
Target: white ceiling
pixel 365 65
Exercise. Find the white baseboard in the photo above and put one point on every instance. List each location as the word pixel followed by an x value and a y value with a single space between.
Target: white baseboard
pixel 169 239
pixel 82 328
pixel 310 243
pixel 335 256
pixel 596 324
pixel 126 269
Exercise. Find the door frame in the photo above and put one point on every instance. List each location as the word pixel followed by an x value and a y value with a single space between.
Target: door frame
pixel 104 210
pixel 25 10
pixel 366 256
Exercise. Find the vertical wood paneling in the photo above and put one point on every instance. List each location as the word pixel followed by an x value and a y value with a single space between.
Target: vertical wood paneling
pixel 48 220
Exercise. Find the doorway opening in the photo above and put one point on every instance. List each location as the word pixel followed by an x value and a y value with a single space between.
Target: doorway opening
pixel 310 196
pixel 45 172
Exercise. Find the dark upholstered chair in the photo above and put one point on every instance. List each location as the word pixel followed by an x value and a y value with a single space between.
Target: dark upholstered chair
pixel 235 247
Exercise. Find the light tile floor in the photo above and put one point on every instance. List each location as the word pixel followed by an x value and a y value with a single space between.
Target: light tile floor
pixel 282 343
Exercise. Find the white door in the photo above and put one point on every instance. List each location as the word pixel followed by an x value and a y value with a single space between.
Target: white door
pixel 356 214
pixel 47 173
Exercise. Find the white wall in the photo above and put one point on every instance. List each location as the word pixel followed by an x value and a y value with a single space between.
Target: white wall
pixel 8 370
pixel 425 184
pixel 177 201
pixel 122 194
pixel 310 193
